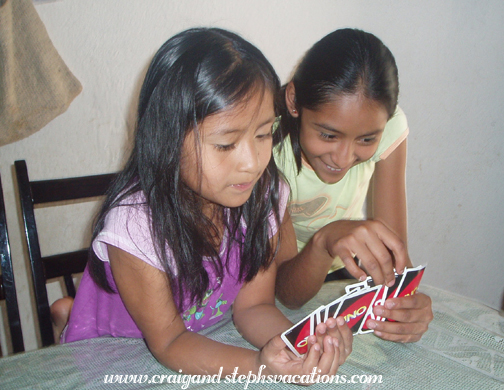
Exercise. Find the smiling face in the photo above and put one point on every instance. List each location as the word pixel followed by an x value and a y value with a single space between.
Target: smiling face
pixel 341 134
pixel 235 149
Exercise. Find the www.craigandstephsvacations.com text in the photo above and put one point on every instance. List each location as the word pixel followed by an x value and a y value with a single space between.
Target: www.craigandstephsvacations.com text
pixel 185 381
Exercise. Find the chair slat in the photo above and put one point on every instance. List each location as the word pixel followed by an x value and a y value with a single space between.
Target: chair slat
pixel 47 191
pixel 65 263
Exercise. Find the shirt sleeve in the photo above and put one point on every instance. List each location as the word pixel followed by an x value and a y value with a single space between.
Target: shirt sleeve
pixel 127 227
pixel 396 130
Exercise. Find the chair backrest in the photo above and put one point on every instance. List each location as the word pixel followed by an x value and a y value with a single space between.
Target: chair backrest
pixel 7 285
pixel 65 264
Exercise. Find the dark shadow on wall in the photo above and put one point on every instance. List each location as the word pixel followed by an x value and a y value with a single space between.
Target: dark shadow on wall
pixel 502 305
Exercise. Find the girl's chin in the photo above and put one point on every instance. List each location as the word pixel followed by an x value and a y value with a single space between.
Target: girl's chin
pixel 330 178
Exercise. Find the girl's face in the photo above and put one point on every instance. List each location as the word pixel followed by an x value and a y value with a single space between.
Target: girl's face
pixel 341 134
pixel 235 149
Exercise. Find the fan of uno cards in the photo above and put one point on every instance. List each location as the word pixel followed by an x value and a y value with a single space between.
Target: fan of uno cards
pixel 356 307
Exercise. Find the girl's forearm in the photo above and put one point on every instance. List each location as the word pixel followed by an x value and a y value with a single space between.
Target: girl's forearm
pixel 387 192
pixel 193 354
pixel 299 279
pixel 260 323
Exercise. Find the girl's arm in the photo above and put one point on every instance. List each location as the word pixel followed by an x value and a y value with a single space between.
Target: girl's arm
pixel 300 275
pixel 147 296
pixel 146 293
pixel 254 312
pixel 388 205
pixel 387 193
pixel 259 320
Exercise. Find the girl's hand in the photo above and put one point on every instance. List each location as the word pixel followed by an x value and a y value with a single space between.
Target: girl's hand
pixel 280 361
pixel 336 328
pixel 378 248
pixel 412 315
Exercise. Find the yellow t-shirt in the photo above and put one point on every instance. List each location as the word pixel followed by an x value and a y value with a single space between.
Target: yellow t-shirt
pixel 313 203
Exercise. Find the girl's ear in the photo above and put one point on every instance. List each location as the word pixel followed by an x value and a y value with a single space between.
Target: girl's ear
pixel 290 99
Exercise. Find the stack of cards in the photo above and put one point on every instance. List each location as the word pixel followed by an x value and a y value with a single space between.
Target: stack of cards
pixel 356 307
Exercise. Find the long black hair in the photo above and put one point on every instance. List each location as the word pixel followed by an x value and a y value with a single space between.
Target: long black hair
pixel 196 73
pixel 344 62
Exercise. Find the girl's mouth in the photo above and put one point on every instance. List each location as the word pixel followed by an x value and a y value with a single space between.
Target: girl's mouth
pixel 243 186
pixel 332 169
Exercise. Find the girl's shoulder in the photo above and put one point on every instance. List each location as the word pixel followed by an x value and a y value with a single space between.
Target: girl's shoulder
pixel 398 122
pixel 128 227
pixel 396 130
pixel 129 212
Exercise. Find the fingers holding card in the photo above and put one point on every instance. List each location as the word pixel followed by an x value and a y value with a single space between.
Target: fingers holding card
pixel 356 307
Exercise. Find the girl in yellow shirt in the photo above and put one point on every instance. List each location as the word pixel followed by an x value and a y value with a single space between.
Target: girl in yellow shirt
pixel 339 109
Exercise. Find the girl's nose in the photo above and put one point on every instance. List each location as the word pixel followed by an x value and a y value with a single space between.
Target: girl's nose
pixel 344 154
pixel 249 158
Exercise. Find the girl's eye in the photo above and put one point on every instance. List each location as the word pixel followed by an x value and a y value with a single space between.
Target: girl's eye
pixel 326 136
pixel 368 140
pixel 224 148
pixel 265 135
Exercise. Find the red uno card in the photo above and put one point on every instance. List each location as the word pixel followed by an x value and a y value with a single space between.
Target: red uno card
pixel 296 338
pixel 410 281
pixel 355 307
pixel 391 292
pixel 319 316
pixel 366 285
pixel 332 309
pixel 379 300
pixel 405 284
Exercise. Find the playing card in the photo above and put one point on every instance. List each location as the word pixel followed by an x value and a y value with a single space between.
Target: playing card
pixel 319 316
pixel 296 337
pixel 405 284
pixel 392 291
pixel 355 307
pixel 379 300
pixel 332 309
pixel 365 285
pixel 410 281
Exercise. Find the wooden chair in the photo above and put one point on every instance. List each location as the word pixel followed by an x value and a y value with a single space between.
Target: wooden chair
pixel 32 193
pixel 7 285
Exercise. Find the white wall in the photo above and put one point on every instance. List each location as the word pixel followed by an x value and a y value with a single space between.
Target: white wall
pixel 451 68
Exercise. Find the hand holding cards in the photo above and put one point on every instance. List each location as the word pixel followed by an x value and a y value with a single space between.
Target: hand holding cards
pixel 356 307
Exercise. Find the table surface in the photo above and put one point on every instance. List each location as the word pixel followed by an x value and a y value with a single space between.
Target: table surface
pixel 463 349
